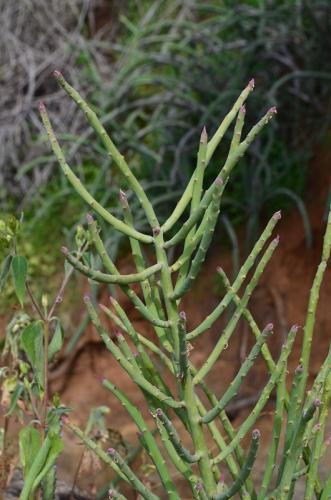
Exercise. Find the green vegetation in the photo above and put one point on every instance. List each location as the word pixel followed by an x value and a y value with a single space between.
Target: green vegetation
pixel 300 415
pixel 174 68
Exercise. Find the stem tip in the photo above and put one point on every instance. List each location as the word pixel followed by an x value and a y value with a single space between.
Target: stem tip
pixel 251 83
pixel 277 215
pixel 204 136
pixel 89 218
pixel 42 107
pixel 57 74
pixel 256 434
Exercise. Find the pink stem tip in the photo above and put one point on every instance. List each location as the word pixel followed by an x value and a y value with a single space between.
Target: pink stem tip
pixel 89 218
pixel 251 83
pixel 204 136
pixel 277 215
pixel 57 74
pixel 256 434
pixel 42 107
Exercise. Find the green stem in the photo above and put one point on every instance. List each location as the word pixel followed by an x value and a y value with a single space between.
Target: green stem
pixel 233 388
pixel 318 444
pixel 200 446
pixel 148 439
pixel 92 445
pixel 133 479
pixel 212 317
pixel 213 143
pixel 81 190
pixel 113 279
pixel 126 365
pixel 312 307
pixel 251 419
pixel 270 465
pixel 111 149
pixel 175 439
pixel 196 195
pixel 294 452
pixel 185 284
pixel 110 266
pixel 229 329
pixel 150 290
pixel 224 174
pixel 246 469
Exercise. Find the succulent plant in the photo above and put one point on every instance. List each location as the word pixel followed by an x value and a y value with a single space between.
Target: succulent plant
pixel 163 285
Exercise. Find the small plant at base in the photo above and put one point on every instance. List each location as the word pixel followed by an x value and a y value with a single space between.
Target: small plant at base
pixel 162 291
pixel 34 336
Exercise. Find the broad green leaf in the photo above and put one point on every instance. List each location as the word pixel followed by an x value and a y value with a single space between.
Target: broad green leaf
pixel 19 269
pixel 29 444
pixel 43 461
pixel 14 398
pixel 35 469
pixel 54 452
pixel 56 343
pixel 5 268
pixel 32 344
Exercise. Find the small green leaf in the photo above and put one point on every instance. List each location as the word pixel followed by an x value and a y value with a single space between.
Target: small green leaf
pixel 14 398
pixel 19 268
pixel 29 443
pixel 5 268
pixel 32 344
pixel 57 341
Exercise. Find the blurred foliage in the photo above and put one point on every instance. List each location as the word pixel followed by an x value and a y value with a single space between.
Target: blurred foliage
pixel 179 68
pixel 174 67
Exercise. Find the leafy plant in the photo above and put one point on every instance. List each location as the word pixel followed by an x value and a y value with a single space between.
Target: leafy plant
pixel 32 341
pixel 176 398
